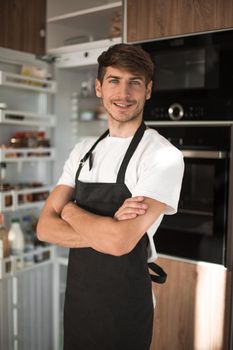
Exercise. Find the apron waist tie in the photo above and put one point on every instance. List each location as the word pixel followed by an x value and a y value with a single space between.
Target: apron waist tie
pixel 160 276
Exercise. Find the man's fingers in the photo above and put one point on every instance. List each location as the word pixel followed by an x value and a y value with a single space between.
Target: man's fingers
pixel 126 217
pixel 128 213
pixel 134 199
pixel 131 208
pixel 133 204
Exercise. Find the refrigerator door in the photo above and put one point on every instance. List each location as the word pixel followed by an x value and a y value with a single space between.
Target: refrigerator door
pixel 27 154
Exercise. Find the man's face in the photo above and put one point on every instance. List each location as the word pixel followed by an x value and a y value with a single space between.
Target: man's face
pixel 123 94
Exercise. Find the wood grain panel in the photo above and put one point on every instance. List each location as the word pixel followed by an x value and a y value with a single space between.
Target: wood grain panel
pixel 191 311
pixel 224 10
pixel 132 20
pixel 204 15
pixel 20 25
pixel 151 19
pixel 158 23
pixel 34 17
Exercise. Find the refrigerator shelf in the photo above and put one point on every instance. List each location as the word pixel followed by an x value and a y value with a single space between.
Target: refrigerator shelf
pixel 26 118
pixel 23 199
pixel 15 264
pixel 9 155
pixel 27 83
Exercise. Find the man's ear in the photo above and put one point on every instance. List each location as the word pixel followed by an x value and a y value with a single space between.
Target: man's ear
pixel 98 88
pixel 148 90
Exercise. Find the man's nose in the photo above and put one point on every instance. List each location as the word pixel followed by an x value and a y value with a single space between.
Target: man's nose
pixel 124 90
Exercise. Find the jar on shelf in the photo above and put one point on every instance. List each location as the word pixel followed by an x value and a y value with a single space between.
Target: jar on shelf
pixel 16 237
pixel 5 187
pixel 87 115
pixel 3 105
pixel 101 113
pixel 29 237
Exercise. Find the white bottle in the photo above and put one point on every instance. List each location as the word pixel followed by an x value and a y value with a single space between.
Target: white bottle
pixel 1 249
pixel 16 238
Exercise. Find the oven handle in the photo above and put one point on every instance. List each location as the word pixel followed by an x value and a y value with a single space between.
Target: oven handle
pixel 204 154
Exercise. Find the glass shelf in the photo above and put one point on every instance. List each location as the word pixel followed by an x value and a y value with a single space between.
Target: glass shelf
pixel 14 264
pixel 82 25
pixel 9 155
pixel 23 199
pixel 27 83
pixel 26 118
pixel 86 12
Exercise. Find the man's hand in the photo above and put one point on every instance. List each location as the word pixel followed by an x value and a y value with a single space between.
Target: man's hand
pixel 131 208
pixel 68 211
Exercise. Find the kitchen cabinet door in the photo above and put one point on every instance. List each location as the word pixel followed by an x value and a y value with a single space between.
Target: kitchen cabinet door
pixel 151 19
pixel 22 25
pixel 191 308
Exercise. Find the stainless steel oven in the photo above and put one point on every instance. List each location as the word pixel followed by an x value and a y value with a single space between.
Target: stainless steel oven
pixel 199 230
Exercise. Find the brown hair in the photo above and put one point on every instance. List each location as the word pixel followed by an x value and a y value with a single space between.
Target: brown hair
pixel 132 58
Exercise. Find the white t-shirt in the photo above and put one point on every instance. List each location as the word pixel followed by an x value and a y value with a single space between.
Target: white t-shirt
pixel 155 170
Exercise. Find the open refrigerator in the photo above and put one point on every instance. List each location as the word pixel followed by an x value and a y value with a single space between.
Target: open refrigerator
pixel 54 111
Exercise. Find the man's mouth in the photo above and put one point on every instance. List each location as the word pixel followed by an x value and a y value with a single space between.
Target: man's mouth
pixel 123 104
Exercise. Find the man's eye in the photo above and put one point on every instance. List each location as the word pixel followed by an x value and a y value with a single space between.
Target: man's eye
pixel 136 82
pixel 113 81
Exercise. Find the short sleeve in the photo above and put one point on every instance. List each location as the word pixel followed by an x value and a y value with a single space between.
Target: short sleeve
pixel 160 177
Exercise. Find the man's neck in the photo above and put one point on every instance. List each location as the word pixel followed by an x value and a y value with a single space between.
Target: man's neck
pixel 123 129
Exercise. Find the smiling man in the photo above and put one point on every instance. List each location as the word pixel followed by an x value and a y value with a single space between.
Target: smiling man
pixel 106 207
pixel 123 94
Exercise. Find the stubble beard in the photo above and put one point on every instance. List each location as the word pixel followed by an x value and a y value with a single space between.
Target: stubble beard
pixel 124 118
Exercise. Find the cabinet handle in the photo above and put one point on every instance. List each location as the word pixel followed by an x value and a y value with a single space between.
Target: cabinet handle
pixel 42 33
pixel 86 54
pixel 204 154
pixel 61 59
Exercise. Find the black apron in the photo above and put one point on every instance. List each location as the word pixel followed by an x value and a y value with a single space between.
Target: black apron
pixel 108 302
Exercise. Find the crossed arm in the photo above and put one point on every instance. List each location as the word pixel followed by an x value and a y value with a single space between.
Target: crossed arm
pixel 64 223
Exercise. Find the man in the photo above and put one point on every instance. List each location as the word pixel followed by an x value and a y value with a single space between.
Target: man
pixel 109 195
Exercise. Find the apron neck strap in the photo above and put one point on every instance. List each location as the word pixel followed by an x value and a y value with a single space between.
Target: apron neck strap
pixel 89 154
pixel 130 151
pixel 132 147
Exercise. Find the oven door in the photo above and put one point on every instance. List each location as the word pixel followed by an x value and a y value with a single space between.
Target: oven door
pixel 198 230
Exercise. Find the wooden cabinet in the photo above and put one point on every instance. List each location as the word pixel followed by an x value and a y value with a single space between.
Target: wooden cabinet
pixel 150 19
pixel 22 25
pixel 191 308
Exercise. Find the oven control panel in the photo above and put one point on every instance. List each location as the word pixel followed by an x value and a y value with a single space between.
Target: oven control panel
pixel 176 111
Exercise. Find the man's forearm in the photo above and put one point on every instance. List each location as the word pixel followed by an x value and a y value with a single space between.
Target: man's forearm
pixel 51 227
pixel 54 230
pixel 106 234
pixel 91 227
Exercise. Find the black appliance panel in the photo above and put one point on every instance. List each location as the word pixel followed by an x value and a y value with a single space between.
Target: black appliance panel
pixel 193 78
pixel 198 231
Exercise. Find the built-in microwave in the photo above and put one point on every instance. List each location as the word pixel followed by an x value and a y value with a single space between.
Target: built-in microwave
pixel 193 77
